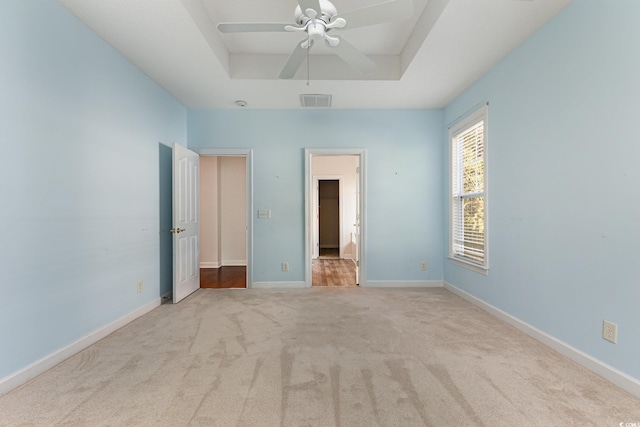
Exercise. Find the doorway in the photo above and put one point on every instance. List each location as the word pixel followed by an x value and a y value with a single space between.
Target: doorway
pixel 226 222
pixel 329 218
pixel 334 220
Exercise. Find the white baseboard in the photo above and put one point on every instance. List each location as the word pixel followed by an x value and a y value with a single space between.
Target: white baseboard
pixel 228 263
pixel 23 376
pixel 209 264
pixel 611 374
pixel 234 263
pixel 404 284
pixel 278 285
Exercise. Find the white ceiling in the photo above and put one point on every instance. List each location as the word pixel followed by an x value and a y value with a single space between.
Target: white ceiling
pixel 423 62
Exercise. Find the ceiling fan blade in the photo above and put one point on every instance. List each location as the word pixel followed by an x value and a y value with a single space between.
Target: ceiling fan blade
pixel 352 56
pixel 310 4
pixel 377 14
pixel 295 61
pixel 250 27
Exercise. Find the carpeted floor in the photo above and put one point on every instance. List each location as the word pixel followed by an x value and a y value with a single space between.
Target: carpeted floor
pixel 319 357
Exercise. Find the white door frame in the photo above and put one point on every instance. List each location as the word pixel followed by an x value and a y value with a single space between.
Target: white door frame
pixel 248 155
pixel 316 223
pixel 309 211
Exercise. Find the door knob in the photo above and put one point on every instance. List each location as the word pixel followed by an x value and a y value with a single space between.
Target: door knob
pixel 177 230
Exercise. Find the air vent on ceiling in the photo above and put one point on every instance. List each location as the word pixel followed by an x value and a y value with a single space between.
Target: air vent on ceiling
pixel 315 101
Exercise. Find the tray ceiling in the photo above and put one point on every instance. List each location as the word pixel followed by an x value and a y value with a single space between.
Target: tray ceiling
pixel 423 62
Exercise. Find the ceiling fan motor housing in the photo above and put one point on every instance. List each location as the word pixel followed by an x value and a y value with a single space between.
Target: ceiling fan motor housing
pixel 327 13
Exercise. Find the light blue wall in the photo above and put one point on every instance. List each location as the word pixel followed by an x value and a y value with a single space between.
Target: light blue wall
pixel 81 132
pixel 404 182
pixel 85 181
pixel 564 180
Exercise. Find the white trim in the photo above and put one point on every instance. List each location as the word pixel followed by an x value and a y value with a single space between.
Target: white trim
pixel 248 154
pixel 223 263
pixel 308 207
pixel 214 264
pixel 233 263
pixel 469 265
pixel 611 374
pixel 467 113
pixel 38 367
pixel 217 152
pixel 404 284
pixel 278 285
pixel 481 113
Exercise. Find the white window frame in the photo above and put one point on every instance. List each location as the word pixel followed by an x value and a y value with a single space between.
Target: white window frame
pixel 477 116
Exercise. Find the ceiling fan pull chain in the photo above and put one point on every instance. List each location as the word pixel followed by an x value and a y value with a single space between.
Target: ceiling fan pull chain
pixel 309 62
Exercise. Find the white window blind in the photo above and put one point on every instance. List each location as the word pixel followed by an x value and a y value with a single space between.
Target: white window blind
pixel 468 180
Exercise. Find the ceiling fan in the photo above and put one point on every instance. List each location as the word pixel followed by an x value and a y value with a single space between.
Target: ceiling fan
pixel 318 19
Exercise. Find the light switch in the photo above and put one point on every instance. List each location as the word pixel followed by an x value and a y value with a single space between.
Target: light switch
pixel 264 214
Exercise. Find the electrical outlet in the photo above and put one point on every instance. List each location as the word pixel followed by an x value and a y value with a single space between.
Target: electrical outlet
pixel 285 266
pixel 610 331
pixel 264 214
pixel 140 286
pixel 423 265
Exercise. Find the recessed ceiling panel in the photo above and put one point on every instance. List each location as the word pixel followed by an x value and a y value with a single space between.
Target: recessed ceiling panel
pixel 381 39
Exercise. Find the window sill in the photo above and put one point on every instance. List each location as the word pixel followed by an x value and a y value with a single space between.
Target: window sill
pixel 469 266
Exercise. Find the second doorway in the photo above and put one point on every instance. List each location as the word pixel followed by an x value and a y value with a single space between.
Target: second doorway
pixel 336 220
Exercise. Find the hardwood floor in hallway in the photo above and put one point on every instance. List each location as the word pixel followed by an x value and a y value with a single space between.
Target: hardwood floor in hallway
pixel 333 272
pixel 223 277
pixel 326 271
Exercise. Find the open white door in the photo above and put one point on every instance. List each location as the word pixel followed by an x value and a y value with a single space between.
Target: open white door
pixel 186 222
pixel 357 224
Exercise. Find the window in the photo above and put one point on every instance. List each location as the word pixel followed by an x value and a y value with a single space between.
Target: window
pixel 468 213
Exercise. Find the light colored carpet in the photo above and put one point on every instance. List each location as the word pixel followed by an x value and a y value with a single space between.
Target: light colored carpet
pixel 319 357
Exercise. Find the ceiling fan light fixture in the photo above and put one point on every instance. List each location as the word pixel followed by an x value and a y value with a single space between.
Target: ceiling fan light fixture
pixel 314 100
pixel 316 30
